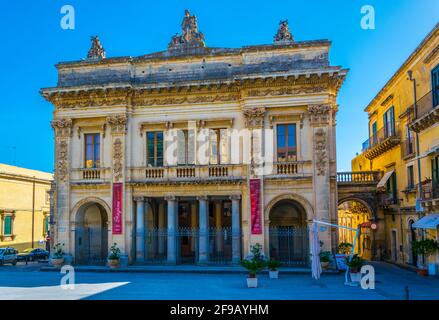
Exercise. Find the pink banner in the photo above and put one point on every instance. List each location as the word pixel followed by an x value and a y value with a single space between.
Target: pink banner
pixel 255 206
pixel 117 208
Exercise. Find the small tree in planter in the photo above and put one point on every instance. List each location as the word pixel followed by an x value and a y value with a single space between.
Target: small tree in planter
pixel 114 256
pixel 426 247
pixel 254 264
pixel 344 248
pixel 58 255
pixel 273 266
pixel 325 259
pixel 355 265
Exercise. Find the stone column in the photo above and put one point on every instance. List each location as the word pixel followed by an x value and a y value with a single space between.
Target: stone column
pixel 320 119
pixel 161 228
pixel 140 229
pixel 204 230
pixel 218 227
pixel 236 230
pixel 172 230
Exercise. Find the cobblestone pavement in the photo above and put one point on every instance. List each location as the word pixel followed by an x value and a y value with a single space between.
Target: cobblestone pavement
pixel 27 282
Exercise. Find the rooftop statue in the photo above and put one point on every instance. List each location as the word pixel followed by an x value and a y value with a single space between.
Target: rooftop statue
pixel 190 36
pixel 283 35
pixel 96 51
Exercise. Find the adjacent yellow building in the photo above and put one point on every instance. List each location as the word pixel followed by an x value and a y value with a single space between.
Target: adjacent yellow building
pixel 397 128
pixel 24 196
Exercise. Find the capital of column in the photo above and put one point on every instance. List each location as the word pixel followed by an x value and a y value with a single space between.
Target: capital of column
pixel 139 199
pixel 235 197
pixel 202 198
pixel 170 198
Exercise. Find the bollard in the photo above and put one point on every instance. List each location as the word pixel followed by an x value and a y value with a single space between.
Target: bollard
pixel 406 293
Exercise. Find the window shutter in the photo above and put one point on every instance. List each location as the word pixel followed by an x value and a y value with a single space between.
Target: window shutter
pixel 170 147
pixel 191 146
pixel 181 147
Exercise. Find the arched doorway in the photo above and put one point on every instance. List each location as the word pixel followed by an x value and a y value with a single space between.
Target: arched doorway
pixel 91 234
pixel 353 213
pixel 288 233
pixel 414 257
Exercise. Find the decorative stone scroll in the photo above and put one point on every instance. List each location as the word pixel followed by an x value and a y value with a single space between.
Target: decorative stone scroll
pixel 320 149
pixel 62 161
pixel 117 160
pixel 118 123
pixel 319 114
pixel 254 118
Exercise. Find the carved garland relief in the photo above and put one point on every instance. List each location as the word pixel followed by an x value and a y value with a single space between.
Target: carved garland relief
pixel 321 154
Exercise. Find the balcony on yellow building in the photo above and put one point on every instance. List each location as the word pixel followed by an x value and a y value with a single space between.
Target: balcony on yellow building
pixel 427 112
pixel 381 141
pixel 430 194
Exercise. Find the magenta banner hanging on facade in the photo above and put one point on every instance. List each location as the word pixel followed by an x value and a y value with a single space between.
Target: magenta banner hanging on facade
pixel 255 207
pixel 117 208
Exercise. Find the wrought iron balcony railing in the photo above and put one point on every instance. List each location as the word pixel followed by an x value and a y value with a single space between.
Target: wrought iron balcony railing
pixel 427 112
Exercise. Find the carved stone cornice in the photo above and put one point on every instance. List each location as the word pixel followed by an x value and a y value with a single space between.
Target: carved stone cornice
pixel 118 123
pixel 285 91
pixel 254 118
pixel 62 127
pixel 319 114
pixel 182 99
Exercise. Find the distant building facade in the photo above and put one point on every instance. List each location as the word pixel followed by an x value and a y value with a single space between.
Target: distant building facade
pixel 193 154
pixel 396 127
pixel 24 207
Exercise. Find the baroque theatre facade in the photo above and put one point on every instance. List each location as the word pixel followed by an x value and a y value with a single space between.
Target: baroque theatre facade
pixel 193 154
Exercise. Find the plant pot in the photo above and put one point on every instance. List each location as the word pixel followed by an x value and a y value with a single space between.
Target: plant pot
pixel 113 263
pixel 325 264
pixel 432 269
pixel 355 276
pixel 423 272
pixel 57 262
pixel 273 274
pixel 252 282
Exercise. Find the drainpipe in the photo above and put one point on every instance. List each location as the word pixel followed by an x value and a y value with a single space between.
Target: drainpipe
pixel 33 212
pixel 415 108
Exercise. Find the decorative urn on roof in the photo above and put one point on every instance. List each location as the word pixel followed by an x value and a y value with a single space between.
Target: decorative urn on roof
pixel 283 35
pixel 96 51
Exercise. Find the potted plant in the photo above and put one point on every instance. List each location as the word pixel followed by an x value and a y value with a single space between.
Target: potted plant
pixel 57 259
pixel 272 265
pixel 426 247
pixel 344 248
pixel 254 264
pixel 355 265
pixel 114 256
pixel 325 259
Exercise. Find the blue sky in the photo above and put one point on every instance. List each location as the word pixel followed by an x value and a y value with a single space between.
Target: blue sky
pixel 32 41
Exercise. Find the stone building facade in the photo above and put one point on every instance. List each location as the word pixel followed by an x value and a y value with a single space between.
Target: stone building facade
pixel 193 154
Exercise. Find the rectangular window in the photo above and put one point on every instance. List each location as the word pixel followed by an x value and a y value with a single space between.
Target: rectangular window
pixel 46 222
pixel 92 150
pixel 154 149
pixel 218 146
pixel 286 142
pixel 389 122
pixel 7 225
pixel 435 86
pixel 374 137
pixel 410 178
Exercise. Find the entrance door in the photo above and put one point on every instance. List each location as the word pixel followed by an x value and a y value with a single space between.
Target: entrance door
pixel 186 233
pixel 394 247
pixel 288 234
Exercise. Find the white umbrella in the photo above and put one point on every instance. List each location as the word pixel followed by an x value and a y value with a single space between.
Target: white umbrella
pixel 316 267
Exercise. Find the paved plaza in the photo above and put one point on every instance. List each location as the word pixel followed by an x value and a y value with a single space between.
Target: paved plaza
pixel 27 282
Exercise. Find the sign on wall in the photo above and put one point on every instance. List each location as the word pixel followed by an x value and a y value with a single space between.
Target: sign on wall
pixel 117 208
pixel 255 206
